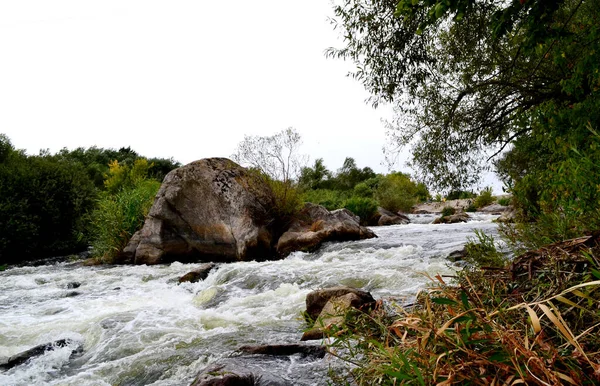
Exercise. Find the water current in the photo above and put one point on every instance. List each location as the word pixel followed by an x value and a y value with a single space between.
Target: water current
pixel 137 326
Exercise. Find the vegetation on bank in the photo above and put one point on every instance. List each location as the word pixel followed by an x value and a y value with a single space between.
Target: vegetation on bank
pixel 517 84
pixel 55 204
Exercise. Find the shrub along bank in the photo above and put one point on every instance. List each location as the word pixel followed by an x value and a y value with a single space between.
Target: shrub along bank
pixel 46 201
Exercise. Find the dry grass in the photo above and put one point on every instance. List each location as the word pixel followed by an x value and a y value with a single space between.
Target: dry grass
pixel 534 322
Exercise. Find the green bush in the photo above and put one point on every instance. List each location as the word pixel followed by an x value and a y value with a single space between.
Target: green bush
pixel 363 207
pixel 396 192
pixel 471 208
pixel 330 199
pixel 485 198
pixel 43 202
pixel 448 211
pixel 460 195
pixel 482 251
pixel 363 190
pixel 118 216
pixel 504 201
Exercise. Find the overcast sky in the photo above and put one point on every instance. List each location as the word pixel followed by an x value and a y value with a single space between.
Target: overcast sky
pixel 182 79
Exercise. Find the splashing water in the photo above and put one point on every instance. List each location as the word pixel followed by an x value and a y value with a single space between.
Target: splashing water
pixel 138 326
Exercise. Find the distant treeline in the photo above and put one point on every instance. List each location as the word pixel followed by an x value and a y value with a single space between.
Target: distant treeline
pixel 47 200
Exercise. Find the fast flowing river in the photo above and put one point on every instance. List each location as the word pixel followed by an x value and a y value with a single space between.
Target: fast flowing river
pixel 137 326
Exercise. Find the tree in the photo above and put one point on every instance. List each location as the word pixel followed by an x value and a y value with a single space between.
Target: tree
pixel 275 156
pixel 314 177
pixel 470 77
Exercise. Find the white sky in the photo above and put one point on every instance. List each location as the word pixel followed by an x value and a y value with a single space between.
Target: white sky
pixel 182 79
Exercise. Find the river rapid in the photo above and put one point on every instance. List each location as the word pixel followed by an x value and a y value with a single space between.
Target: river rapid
pixel 137 326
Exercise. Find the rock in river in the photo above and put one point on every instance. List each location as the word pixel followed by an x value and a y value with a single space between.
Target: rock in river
pixel 315 225
pixel 208 210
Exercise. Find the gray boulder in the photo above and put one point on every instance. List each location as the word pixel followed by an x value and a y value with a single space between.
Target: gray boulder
pixel 315 225
pixel 208 210
pixel 452 219
pixel 385 217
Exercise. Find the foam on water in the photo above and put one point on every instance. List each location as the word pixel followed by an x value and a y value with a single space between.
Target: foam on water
pixel 138 326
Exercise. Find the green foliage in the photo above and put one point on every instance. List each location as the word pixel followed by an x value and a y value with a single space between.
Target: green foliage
pixel 485 198
pixel 118 216
pixel 330 199
pixel 460 195
pixel 123 176
pixel 471 208
pixel 43 200
pixel 288 200
pixel 363 207
pixel 504 201
pixel 448 211
pixel 317 177
pixel 482 251
pixel 363 190
pixel 397 192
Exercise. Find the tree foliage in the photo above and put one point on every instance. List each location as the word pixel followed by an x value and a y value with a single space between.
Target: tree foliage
pixel 469 77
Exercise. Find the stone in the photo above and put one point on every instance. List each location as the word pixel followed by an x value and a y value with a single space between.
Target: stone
pixel 286 350
pixel 452 219
pixel 73 285
pixel 457 255
pixel 384 217
pixel 197 274
pixel 494 209
pixel 212 210
pixel 238 372
pixel 333 313
pixel 316 300
pixel 36 351
pixel 315 225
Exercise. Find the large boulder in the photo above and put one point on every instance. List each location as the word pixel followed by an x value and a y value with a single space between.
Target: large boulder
pixel 385 217
pixel 494 209
pixel 209 210
pixel 316 300
pixel 315 225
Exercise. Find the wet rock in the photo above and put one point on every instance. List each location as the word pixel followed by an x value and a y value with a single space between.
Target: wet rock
pixel 198 274
pixel 315 225
pixel 384 217
pixel 208 210
pixel 494 209
pixel 333 313
pixel 73 285
pixel 238 372
pixel 452 219
pixel 458 255
pixel 316 300
pixel 24 356
pixel 72 294
pixel 508 216
pixel 286 350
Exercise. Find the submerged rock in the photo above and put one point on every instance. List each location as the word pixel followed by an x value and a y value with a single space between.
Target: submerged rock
pixel 285 350
pixel 452 219
pixel 315 225
pixel 236 372
pixel 457 255
pixel 208 210
pixel 36 351
pixel 198 274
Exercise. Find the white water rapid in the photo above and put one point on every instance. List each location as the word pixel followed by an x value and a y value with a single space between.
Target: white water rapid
pixel 137 326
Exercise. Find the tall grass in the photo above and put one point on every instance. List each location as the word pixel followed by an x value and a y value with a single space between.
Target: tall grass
pixel 535 322
pixel 117 217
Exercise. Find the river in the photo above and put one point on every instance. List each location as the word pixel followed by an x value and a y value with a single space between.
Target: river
pixel 137 326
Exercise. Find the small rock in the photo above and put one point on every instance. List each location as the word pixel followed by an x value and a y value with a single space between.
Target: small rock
pixel 198 274
pixel 285 350
pixel 238 372
pixel 73 285
pixel 458 255
pixel 316 300
pixel 452 219
pixel 72 294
